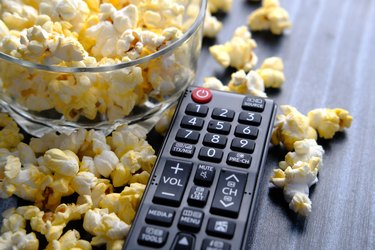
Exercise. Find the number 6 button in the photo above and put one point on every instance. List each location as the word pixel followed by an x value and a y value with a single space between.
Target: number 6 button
pixel 244 131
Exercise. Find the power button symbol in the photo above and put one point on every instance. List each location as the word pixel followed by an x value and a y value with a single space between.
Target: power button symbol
pixel 201 95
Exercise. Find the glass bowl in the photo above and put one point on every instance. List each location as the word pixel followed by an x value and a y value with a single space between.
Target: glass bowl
pixel 43 97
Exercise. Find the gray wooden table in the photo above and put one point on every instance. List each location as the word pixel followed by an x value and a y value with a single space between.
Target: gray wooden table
pixel 329 57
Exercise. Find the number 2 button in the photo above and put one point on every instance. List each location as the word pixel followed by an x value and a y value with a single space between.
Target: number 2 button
pixel 223 114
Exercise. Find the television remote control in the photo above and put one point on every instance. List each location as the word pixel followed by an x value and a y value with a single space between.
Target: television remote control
pixel 202 191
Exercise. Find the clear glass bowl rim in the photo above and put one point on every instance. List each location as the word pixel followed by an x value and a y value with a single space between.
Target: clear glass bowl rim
pixel 198 21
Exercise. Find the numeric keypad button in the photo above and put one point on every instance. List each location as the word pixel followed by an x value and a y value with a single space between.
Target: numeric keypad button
pixel 250 118
pixel 192 122
pixel 223 114
pixel 242 145
pixel 196 109
pixel 245 131
pixel 187 135
pixel 213 140
pixel 219 127
pixel 210 154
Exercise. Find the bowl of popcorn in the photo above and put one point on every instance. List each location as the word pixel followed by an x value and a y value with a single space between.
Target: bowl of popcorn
pixel 95 64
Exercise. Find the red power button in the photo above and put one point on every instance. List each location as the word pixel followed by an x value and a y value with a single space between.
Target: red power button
pixel 201 95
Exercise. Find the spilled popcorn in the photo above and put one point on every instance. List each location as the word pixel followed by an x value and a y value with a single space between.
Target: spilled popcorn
pixel 299 171
pixel 85 163
pixel 238 52
pixel 271 16
pixel 269 75
pixel 78 33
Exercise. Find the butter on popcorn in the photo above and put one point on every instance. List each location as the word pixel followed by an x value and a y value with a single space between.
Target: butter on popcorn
pixel 238 52
pixel 329 121
pixel 65 162
pixel 17 15
pixel 272 72
pixel 271 16
pixel 291 126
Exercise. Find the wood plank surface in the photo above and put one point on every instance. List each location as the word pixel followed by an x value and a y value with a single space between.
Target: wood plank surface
pixel 329 58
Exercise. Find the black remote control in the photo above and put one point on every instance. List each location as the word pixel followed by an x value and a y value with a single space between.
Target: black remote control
pixel 202 191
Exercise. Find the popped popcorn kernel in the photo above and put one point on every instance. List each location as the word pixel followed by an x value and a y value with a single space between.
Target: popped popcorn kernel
pixel 247 84
pixel 238 52
pixel 70 240
pixel 211 26
pixel 298 173
pixel 291 126
pixel 163 124
pixel 271 16
pixel 65 162
pixel 214 83
pixel 304 150
pixel 216 5
pixel 19 240
pixel 272 72
pixel 10 135
pixel 329 121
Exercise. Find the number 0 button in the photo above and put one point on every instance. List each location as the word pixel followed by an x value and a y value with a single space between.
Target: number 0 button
pixel 210 154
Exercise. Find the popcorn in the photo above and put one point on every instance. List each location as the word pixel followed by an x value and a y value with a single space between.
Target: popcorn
pixel 112 24
pixel 12 221
pixel 214 83
pixel 73 11
pixel 291 126
pixel 163 124
pixel 211 26
pixel 251 83
pixel 77 33
pixel 296 181
pixel 19 240
pixel 10 135
pixel 272 73
pixel 216 5
pixel 105 226
pixel 304 150
pixel 65 162
pixel 17 15
pixel 238 52
pixel 271 16
pixel 70 240
pixel 329 121
pixel 106 162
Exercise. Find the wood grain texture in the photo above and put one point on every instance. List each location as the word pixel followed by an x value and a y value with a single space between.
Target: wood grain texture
pixel 329 57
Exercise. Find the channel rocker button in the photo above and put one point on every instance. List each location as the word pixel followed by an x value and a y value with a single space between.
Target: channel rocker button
pixel 201 95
